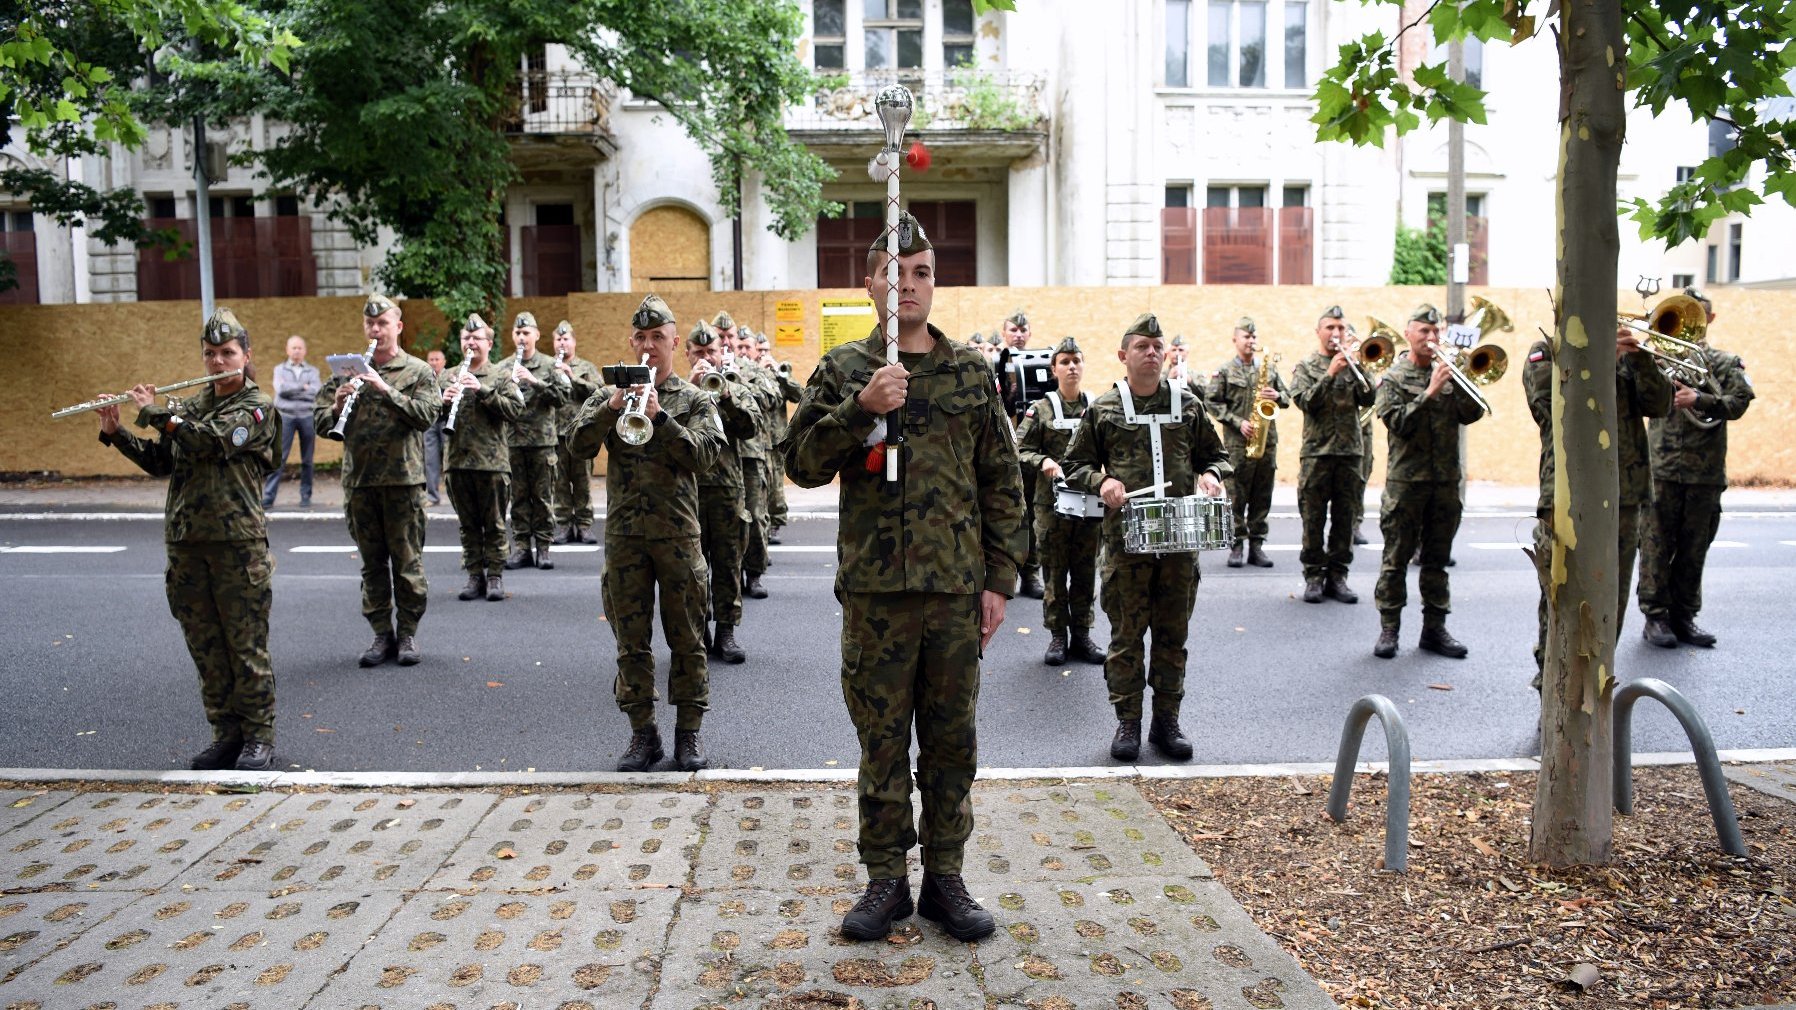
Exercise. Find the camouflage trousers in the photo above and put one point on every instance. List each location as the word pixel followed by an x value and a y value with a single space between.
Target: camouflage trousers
pixel 1365 476
pixel 1626 546
pixel 573 488
pixel 637 571
pixel 754 499
pixel 387 525
pixel 1328 487
pixel 722 528
pixel 1146 593
pixel 479 497
pixel 1675 536
pixel 1250 489
pixel 532 492
pixel 776 499
pixel 221 593
pixel 913 659
pixel 1424 512
pixel 1033 558
pixel 1069 568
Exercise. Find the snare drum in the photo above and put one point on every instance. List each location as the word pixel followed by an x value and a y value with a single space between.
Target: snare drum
pixel 1177 525
pixel 1076 504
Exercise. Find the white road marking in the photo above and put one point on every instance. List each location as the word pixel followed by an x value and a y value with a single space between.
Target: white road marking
pixel 54 549
pixel 803 549
pixel 324 549
pixel 1495 545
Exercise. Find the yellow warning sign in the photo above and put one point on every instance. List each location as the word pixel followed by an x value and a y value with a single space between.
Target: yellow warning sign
pixel 788 335
pixel 788 312
pixel 846 319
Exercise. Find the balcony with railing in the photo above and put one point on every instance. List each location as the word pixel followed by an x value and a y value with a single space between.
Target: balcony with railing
pixel 554 106
pixel 970 106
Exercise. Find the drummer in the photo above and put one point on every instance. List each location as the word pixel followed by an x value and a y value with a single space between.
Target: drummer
pixel 1067 545
pixel 1112 455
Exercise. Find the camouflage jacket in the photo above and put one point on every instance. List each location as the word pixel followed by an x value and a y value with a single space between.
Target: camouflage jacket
pixel 1330 408
pixel 652 489
pixel 790 392
pixel 383 442
pixel 1424 432
pixel 953 522
pixel 478 441
pixel 585 382
pixel 767 401
pixel 1107 445
pixel 1641 391
pixel 1682 450
pixel 740 416
pixel 1038 439
pixel 1233 388
pixel 534 427
pixel 215 458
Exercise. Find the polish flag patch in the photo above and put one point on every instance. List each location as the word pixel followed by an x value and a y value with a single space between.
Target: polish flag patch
pixel 1537 356
pixel 257 413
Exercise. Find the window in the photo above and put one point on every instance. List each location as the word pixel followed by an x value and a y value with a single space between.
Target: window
pixel 1474 60
pixel 1686 173
pixel 160 206
pixel 231 206
pixel 1253 45
pixel 1721 138
pixel 1178 196
pixel 1681 281
pixel 1296 45
pixel 1297 196
pixel 15 220
pixel 1714 272
pixel 1437 206
pixel 19 245
pixel 555 213
pixel 536 78
pixel 893 34
pixel 286 206
pixel 1733 251
pixel 1237 44
pixel 828 33
pixel 957 33
pixel 1178 44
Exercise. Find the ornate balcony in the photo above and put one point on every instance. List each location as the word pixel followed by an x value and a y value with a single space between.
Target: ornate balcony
pixel 560 111
pixel 999 112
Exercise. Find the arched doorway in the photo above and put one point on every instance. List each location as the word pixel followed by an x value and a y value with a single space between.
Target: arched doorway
pixel 670 250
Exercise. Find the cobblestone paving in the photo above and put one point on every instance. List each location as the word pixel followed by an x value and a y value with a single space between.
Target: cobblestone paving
pixel 652 898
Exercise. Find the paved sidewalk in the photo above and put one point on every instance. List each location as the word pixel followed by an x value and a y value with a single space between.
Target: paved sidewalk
pixel 675 897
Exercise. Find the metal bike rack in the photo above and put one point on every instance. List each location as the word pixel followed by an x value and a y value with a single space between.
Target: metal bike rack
pixel 1396 743
pixel 1714 785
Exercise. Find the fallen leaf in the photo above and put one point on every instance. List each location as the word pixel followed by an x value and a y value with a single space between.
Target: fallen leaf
pixel 1583 975
pixel 495 683
pixel 831 762
pixel 1510 885
pixel 1485 847
pixel 1440 687
pixel 506 853
pixel 321 729
pixel 1022 631
pixel 407 804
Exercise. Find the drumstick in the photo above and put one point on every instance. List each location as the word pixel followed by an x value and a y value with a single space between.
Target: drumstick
pixel 1150 489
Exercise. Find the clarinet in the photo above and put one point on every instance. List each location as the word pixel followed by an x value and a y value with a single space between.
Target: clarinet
pixel 455 408
pixel 560 379
pixel 355 390
pixel 517 361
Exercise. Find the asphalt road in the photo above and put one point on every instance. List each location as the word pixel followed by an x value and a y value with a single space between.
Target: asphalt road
pixel 95 675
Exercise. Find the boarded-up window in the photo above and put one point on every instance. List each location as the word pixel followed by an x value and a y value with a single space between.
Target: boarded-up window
pixel 1238 245
pixel 18 243
pixel 1178 245
pixel 670 250
pixel 1296 251
pixel 252 257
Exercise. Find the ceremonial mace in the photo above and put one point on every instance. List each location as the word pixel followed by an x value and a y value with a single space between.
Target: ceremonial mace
pixel 894 106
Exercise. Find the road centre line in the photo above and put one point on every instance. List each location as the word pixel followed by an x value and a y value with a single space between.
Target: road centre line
pixel 58 549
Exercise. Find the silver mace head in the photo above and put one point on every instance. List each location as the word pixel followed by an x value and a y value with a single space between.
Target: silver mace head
pixel 894 106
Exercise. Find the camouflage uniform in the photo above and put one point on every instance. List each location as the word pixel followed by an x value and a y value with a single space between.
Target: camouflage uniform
pixel 1421 488
pixel 652 545
pixel 532 440
pixel 723 516
pixel 1068 546
pixel 383 487
pixel 1145 592
pixel 1641 391
pixel 1332 469
pixel 1689 468
pixel 479 464
pixel 1366 459
pixel 1233 390
pixel 220 576
pixel 573 477
pixel 757 459
pixel 914 556
pixel 791 391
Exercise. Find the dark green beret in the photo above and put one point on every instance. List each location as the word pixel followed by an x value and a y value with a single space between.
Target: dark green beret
pixel 524 319
pixel 724 321
pixel 378 304
pixel 702 335
pixel 1426 313
pixel 1332 312
pixel 1697 294
pixel 223 327
pixel 1145 325
pixel 1067 346
pixel 1245 323
pixel 652 313
pixel 563 327
pixel 475 324
pixel 761 338
pixel 1178 340
pixel 911 239
pixel 1018 320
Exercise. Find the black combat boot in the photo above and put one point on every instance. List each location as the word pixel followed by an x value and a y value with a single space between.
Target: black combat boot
pixel 475 589
pixel 222 754
pixel 752 588
pixel 1359 539
pixel 723 644
pixel 1056 654
pixel 1657 631
pixel 1436 640
pixel 689 753
pixel 542 557
pixel 495 587
pixel 256 756
pixel 1312 590
pixel 886 900
pixel 1256 555
pixel 1688 633
pixel 1336 586
pixel 773 536
pixel 1168 739
pixel 521 557
pixel 643 752
pixel 1126 744
pixel 1387 642
pixel 1236 556
pixel 943 899
pixel 1032 585
pixel 408 651
pixel 380 651
pixel 586 536
pixel 563 535
pixel 1084 648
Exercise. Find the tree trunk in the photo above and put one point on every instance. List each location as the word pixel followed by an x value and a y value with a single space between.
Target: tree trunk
pixel 1574 804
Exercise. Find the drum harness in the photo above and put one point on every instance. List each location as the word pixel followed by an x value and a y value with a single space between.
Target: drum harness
pixel 1153 422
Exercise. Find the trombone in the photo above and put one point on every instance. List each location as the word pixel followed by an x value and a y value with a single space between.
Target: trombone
pixel 112 401
pixel 1483 364
pixel 1665 329
pixel 1374 354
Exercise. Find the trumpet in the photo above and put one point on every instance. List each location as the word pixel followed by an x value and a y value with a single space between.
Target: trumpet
pixel 355 391
pixel 634 426
pixel 112 401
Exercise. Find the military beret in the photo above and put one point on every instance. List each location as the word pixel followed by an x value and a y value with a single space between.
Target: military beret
pixel 1426 313
pixel 1178 340
pixel 1018 320
pixel 911 239
pixel 1145 325
pixel 474 324
pixel 1332 312
pixel 1245 323
pixel 761 338
pixel 724 321
pixel 378 304
pixel 524 319
pixel 1697 294
pixel 223 327
pixel 702 335
pixel 563 327
pixel 653 312
pixel 1067 346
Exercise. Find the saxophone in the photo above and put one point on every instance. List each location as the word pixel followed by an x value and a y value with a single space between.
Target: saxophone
pixel 1264 409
